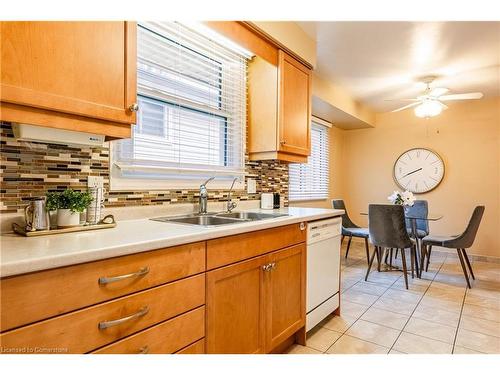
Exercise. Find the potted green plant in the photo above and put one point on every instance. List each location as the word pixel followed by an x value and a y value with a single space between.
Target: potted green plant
pixel 69 204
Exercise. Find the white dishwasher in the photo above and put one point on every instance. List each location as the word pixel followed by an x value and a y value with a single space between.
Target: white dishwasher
pixel 323 269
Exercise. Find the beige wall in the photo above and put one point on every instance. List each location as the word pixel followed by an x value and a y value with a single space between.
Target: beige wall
pixel 467 136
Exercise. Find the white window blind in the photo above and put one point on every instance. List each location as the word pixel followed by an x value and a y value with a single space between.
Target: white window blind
pixel 192 107
pixel 309 181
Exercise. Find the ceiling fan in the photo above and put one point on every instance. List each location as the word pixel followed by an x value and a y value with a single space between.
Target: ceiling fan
pixel 430 103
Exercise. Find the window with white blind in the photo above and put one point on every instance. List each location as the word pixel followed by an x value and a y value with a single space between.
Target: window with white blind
pixel 192 111
pixel 309 181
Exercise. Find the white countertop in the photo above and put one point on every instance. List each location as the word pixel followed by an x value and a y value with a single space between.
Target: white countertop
pixel 20 255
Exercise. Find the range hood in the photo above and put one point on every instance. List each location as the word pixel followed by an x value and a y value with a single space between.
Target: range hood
pixel 26 132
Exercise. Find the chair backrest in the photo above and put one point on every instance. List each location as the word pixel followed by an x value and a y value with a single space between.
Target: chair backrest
pixel 386 225
pixel 466 239
pixel 346 220
pixel 419 209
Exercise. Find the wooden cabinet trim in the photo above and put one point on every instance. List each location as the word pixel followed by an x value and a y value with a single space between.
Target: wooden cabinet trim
pixel 58 120
pixel 232 249
pixel 164 338
pixel 78 331
pixel 29 298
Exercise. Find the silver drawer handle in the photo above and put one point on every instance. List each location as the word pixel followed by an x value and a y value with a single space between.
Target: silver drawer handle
pixel 111 323
pixel 144 350
pixel 107 280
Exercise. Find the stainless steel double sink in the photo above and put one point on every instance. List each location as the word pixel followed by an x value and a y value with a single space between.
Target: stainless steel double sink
pixel 215 219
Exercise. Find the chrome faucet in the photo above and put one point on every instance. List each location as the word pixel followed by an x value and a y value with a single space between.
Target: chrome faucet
pixel 204 196
pixel 230 204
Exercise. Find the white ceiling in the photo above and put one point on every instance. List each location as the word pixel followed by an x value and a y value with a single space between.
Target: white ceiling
pixel 383 60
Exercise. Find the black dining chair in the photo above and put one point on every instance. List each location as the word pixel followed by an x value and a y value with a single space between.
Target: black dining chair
pixel 459 242
pixel 350 229
pixel 387 229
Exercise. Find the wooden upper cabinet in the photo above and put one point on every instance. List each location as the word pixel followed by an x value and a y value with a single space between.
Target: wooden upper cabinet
pixel 285 312
pixel 294 112
pixel 71 75
pixel 279 109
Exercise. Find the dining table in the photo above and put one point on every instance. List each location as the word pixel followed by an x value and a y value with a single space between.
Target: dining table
pixel 421 251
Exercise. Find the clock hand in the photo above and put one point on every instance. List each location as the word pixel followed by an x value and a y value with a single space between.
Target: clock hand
pixel 409 173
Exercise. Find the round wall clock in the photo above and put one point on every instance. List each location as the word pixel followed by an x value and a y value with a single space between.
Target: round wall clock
pixel 418 170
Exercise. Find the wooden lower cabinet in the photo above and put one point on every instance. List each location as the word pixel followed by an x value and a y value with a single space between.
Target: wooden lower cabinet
pixel 235 311
pixel 164 338
pixel 88 329
pixel 286 312
pixel 255 305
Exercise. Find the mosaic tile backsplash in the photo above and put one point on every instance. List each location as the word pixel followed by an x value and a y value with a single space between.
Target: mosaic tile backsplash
pixel 29 169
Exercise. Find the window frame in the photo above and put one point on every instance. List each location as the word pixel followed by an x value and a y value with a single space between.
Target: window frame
pixel 315 122
pixel 183 176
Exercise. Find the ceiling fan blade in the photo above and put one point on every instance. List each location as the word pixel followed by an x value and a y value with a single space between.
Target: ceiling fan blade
pixel 470 95
pixel 407 106
pixel 444 106
pixel 438 91
pixel 402 100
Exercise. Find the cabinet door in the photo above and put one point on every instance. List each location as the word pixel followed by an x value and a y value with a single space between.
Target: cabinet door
pixel 235 313
pixel 294 114
pixel 286 294
pixel 80 68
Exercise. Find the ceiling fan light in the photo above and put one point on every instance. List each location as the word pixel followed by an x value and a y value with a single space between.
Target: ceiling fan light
pixel 428 108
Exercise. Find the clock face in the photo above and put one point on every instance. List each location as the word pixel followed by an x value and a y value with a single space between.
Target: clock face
pixel 419 170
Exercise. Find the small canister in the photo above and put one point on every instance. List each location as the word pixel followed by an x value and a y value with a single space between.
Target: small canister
pixel 267 201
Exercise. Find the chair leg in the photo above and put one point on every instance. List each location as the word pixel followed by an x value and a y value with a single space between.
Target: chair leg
pixel 371 262
pixel 396 254
pixel 367 250
pixel 428 258
pixel 412 262
pixel 403 260
pixel 348 246
pixel 468 264
pixel 390 258
pixel 422 258
pixel 386 256
pixel 463 268
pixel 379 257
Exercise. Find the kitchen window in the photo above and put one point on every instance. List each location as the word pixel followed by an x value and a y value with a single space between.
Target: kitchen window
pixel 310 181
pixel 192 111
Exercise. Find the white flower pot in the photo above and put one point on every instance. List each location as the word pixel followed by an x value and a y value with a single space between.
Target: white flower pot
pixel 67 219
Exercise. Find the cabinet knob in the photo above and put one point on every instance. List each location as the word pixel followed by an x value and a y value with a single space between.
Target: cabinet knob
pixel 283 142
pixel 133 107
pixel 302 226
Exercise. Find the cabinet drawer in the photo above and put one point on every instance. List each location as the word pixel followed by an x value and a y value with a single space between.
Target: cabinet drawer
pixel 164 338
pixel 36 296
pixel 197 348
pixel 80 331
pixel 227 250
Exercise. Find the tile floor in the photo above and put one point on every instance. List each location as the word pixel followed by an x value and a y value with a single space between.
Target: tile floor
pixel 436 315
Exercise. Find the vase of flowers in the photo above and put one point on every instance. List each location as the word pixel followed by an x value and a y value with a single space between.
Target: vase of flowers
pixel 405 198
pixel 69 204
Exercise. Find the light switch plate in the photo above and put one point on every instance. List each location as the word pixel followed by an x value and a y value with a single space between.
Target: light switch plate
pixel 95 181
pixel 251 186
